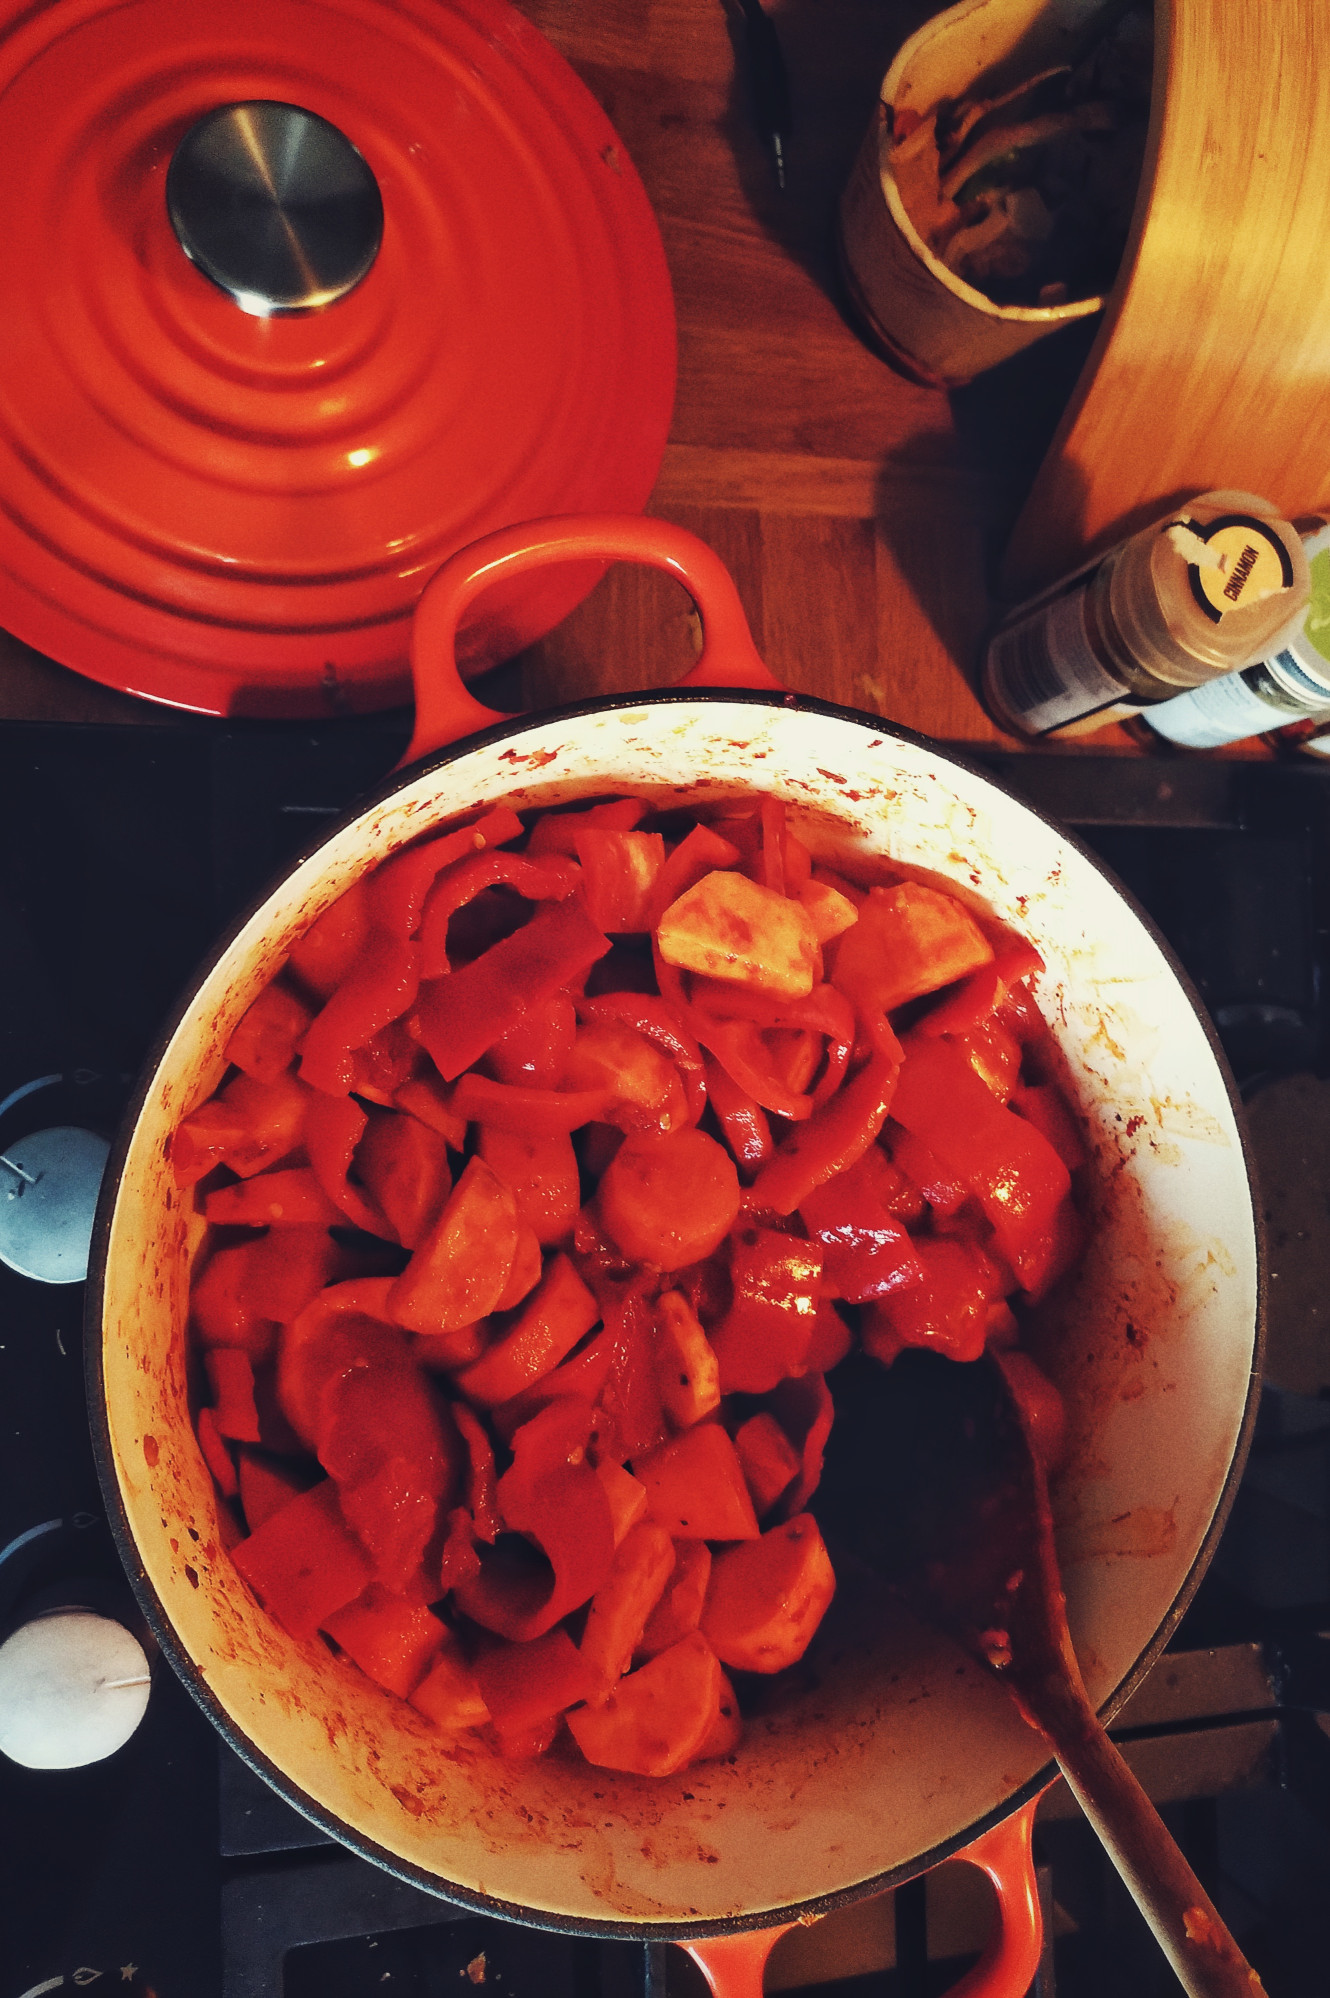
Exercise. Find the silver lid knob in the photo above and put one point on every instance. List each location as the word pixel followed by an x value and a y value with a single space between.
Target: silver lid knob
pixel 275 205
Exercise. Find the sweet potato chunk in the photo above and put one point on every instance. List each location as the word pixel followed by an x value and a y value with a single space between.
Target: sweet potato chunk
pixel 556 1317
pixel 461 1269
pixel 625 1599
pixel 687 1371
pixel 768 1596
pixel 730 927
pixel 656 1719
pixel 908 940
pixel 695 1487
pixel 680 1607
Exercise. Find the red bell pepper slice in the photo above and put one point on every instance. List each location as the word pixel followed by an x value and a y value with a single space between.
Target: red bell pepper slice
pixel 397 1462
pixel 481 1480
pixel 398 889
pixel 404 1167
pixel 338 1325
pixel 328 951
pixel 543 1113
pixel 837 1134
pixel 1010 1167
pixel 553 1498
pixel 699 853
pixel 940 1185
pixel 743 1122
pixel 264 1044
pixel 630 1398
pixel 866 1251
pixel 736 1044
pixel 380 989
pixel 223 1308
pixel 217 1453
pixel 804 1410
pixel 267 1483
pixel 304 1562
pixel 556 832
pixel 1043 1105
pixel 247 1126
pixel 231 1378
pixel 619 874
pixel 534 1052
pixel 765 1334
pixel 947 1310
pixel 656 1022
pixel 334 1126
pixel 461 1016
pixel 551 880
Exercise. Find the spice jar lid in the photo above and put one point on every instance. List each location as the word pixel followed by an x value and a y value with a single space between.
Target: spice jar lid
pixel 225 490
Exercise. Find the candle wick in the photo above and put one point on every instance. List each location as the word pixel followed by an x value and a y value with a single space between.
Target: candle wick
pixel 143 1679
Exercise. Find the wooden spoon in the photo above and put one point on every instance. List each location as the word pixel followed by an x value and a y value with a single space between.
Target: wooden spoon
pixel 932 1480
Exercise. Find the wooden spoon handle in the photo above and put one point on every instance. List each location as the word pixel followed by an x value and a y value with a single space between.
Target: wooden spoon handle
pixel 1196 1941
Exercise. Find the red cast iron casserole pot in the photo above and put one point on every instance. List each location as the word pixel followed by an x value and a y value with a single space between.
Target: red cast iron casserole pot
pixel 891 1753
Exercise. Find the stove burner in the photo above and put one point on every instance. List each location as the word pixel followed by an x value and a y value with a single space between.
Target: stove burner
pixel 275 205
pixel 49 1184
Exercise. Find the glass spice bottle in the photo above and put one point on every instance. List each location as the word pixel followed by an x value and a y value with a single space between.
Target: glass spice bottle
pixel 1292 685
pixel 1206 589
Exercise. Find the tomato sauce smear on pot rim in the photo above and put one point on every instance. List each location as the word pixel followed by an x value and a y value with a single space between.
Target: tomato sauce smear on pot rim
pixel 561 1163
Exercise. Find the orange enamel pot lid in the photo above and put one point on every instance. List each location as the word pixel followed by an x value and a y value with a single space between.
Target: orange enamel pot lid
pixel 235 511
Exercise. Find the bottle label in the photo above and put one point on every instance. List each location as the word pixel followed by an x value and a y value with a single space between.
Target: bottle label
pixel 1234 562
pixel 1225 710
pixel 1042 671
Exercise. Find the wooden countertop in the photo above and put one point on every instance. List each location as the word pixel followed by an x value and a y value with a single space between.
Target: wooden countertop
pixel 862 516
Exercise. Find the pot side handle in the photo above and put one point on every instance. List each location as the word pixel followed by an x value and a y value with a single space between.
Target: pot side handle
pixel 733 1965
pixel 446 711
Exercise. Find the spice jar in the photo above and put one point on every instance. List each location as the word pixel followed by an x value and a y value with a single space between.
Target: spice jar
pixel 1293 684
pixel 1206 589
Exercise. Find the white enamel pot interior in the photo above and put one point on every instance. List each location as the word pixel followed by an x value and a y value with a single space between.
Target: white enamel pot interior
pixel 888 1752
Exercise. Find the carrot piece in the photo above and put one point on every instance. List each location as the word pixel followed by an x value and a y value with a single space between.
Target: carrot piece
pixel 655 1720
pixel 561 1312
pixel 670 1201
pixel 621 1605
pixel 768 1597
pixel 695 1487
pixel 461 1269
pixel 680 1607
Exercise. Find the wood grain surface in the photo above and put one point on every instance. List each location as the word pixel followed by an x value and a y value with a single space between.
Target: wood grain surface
pixel 1212 366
